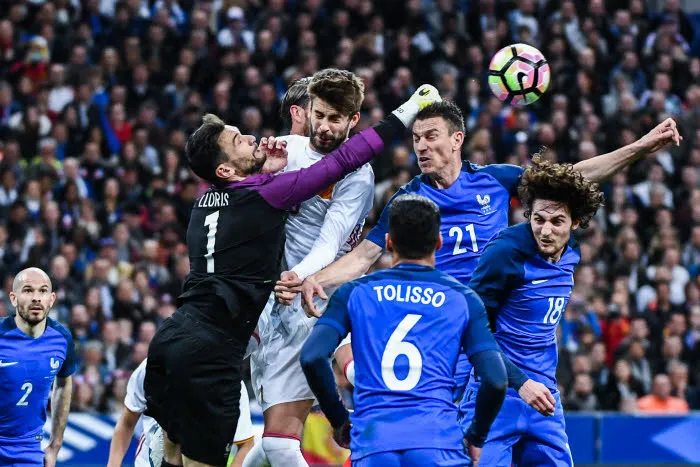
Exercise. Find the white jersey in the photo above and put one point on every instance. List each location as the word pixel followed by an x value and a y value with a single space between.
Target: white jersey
pixel 330 224
pixel 323 229
pixel 135 401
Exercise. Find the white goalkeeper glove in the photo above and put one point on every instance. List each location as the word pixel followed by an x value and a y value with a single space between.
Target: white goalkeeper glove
pixel 424 95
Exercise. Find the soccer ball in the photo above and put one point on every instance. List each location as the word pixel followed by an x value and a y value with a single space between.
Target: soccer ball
pixel 519 74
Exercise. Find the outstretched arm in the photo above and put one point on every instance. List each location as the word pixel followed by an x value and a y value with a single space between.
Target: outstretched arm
pixel 605 166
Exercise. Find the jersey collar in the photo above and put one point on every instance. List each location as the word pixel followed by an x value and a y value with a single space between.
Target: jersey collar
pixel 413 267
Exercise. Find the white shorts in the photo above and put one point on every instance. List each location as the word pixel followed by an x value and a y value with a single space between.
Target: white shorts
pixel 276 374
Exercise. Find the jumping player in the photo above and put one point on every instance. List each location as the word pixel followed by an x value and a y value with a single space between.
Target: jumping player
pixel 410 322
pixel 525 277
pixel 324 228
pixel 235 242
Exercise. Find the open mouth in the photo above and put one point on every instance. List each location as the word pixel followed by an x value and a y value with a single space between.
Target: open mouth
pixel 422 160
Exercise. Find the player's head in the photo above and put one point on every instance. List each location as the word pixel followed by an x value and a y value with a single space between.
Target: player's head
pixel 557 200
pixel 336 97
pixel 32 295
pixel 218 152
pixel 438 134
pixel 414 228
pixel 295 107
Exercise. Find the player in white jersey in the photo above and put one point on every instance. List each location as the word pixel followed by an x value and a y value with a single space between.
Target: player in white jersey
pixel 323 229
pixel 150 448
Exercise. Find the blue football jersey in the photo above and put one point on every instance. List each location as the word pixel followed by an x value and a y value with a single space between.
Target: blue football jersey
pixel 525 296
pixel 408 326
pixel 472 211
pixel 28 367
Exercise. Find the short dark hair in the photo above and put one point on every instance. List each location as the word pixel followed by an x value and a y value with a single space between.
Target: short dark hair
pixel 414 226
pixel 341 89
pixel 297 94
pixel 561 183
pixel 202 151
pixel 449 111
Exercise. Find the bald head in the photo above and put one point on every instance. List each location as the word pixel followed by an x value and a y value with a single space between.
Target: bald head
pixel 35 275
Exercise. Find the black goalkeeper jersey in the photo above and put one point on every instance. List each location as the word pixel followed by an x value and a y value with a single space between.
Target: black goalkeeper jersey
pixel 236 235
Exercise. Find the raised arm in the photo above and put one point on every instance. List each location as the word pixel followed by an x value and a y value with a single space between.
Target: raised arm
pixel 289 189
pixel 605 166
pixel 121 439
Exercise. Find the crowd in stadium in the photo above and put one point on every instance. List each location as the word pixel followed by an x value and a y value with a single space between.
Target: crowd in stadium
pixel 97 99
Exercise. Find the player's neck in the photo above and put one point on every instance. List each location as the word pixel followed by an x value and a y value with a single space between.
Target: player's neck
pixel 430 262
pixel 446 177
pixel 32 331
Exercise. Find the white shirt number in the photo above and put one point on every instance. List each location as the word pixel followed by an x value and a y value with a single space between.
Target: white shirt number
pixel 212 221
pixel 556 306
pixel 395 347
pixel 458 249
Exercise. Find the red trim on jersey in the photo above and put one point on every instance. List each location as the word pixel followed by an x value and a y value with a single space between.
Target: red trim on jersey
pixel 256 337
pixel 272 434
pixel 141 440
pixel 345 367
pixel 348 463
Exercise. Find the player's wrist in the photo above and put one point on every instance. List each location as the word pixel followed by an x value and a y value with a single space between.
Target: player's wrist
pixel 473 438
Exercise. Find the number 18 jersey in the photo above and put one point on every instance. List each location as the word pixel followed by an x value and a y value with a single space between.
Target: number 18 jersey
pixel 525 296
pixel 408 324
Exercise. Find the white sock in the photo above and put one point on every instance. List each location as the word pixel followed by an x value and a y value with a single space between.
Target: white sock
pixel 350 372
pixel 256 457
pixel 283 451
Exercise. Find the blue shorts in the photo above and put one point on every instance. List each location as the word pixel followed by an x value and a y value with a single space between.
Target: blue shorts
pixel 26 453
pixel 520 435
pixel 414 458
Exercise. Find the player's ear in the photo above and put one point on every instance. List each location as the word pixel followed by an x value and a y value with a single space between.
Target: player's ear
pixel 296 113
pixel 457 141
pixel 438 244
pixel 13 298
pixel 575 225
pixel 389 243
pixel 52 300
pixel 354 120
pixel 224 171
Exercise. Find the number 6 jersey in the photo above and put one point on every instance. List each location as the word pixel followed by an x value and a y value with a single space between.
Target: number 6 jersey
pixel 408 325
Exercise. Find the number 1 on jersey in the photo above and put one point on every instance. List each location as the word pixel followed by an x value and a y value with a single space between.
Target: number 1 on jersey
pixel 211 221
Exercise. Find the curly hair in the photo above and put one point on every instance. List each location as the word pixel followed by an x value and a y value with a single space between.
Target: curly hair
pixel 341 89
pixel 561 183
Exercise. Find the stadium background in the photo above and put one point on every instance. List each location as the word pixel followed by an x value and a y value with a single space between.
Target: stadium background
pixel 97 98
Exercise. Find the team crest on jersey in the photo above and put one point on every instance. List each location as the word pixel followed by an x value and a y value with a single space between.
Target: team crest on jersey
pixel 55 363
pixel 485 201
pixel 327 193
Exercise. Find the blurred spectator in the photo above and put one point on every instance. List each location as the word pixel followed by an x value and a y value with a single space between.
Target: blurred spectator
pixel 660 400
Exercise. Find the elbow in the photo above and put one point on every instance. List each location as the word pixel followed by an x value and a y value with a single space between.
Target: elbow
pixel 309 359
pixel 497 378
